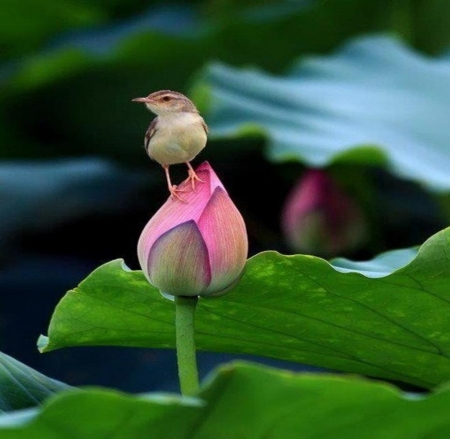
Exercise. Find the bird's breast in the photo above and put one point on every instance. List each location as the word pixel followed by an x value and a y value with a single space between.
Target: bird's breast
pixel 178 138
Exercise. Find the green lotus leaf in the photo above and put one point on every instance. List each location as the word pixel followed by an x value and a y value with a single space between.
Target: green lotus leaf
pixel 373 101
pixel 22 387
pixel 393 323
pixel 242 400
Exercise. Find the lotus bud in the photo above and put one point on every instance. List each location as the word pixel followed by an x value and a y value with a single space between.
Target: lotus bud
pixel 319 218
pixel 196 246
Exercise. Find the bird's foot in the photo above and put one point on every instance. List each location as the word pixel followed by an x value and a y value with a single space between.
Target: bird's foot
pixel 174 193
pixel 193 177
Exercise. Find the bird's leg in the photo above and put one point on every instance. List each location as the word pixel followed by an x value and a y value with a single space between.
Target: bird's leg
pixel 192 176
pixel 172 187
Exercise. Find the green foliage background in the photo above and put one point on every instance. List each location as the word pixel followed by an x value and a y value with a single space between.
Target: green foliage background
pixel 358 87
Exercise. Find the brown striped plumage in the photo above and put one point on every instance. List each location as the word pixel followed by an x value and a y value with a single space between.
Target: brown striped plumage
pixel 176 135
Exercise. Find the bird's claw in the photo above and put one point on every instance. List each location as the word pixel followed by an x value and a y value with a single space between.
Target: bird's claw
pixel 174 193
pixel 193 177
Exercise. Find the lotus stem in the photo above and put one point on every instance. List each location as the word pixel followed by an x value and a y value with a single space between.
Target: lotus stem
pixel 185 343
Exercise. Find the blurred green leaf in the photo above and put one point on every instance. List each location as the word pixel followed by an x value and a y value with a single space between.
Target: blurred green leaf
pixel 31 25
pixel 22 387
pixel 424 24
pixel 100 413
pixel 27 24
pixel 392 323
pixel 251 401
pixel 381 266
pixel 373 100
pixel 82 82
pixel 83 85
pixel 28 191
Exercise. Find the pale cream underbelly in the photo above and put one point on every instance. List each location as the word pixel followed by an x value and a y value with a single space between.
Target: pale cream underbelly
pixel 170 150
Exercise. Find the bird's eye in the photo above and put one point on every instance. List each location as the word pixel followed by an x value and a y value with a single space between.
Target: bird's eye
pixel 166 98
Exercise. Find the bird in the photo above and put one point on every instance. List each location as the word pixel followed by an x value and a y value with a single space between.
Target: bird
pixel 176 135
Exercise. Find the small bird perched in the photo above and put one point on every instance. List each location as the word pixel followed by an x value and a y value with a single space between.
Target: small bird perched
pixel 176 135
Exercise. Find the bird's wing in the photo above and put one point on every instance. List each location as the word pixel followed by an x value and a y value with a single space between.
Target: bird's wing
pixel 150 133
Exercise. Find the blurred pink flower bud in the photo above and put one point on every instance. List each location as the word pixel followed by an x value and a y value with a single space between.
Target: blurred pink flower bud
pixel 319 218
pixel 198 246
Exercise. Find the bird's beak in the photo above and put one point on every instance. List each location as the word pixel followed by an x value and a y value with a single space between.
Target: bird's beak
pixel 139 100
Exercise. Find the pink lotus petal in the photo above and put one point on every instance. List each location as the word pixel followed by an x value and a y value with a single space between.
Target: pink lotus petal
pixel 180 251
pixel 320 218
pixel 206 173
pixel 197 246
pixel 175 212
pixel 223 230
pixel 304 197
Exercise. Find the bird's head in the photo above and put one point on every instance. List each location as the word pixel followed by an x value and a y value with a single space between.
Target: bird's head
pixel 167 101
